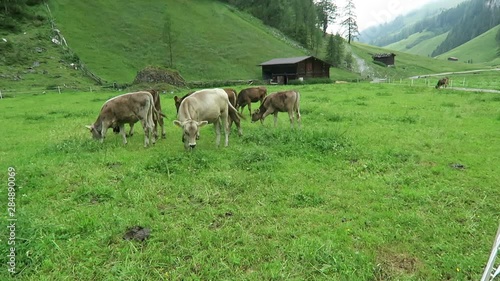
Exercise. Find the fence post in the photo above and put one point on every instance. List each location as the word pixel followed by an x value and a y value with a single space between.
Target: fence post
pixel 1 97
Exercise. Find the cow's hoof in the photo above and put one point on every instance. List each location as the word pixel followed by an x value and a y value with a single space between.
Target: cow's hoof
pixel 163 136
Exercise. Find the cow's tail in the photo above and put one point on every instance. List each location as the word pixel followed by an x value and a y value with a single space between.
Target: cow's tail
pixel 234 114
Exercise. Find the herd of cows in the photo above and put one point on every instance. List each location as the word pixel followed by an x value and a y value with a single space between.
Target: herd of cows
pixel 194 110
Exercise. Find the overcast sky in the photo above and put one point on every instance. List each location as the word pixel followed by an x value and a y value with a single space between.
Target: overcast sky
pixel 374 12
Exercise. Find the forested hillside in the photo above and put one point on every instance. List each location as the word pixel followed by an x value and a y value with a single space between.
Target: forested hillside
pixel 383 34
pixel 461 23
pixel 305 21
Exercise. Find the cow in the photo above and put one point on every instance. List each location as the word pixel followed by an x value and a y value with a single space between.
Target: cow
pixel 127 108
pixel 157 118
pixel 287 101
pixel 209 106
pixel 231 95
pixel 442 83
pixel 249 95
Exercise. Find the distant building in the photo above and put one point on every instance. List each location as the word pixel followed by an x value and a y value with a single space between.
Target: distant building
pixel 281 70
pixel 453 58
pixel 387 59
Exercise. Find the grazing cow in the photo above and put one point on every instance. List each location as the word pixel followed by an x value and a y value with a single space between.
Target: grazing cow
pixel 442 83
pixel 287 101
pixel 249 95
pixel 127 108
pixel 157 118
pixel 231 95
pixel 210 106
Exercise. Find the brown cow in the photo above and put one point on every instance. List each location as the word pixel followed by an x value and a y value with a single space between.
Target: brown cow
pixel 442 83
pixel 231 94
pixel 127 108
pixel 201 108
pixel 157 118
pixel 249 95
pixel 287 101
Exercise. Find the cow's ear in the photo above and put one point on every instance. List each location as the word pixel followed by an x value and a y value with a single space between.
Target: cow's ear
pixel 202 123
pixel 176 98
pixel 178 123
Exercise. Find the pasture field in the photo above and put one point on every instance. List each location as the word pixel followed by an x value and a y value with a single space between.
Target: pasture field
pixel 380 183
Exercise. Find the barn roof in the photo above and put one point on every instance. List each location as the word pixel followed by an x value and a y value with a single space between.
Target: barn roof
pixel 386 55
pixel 285 60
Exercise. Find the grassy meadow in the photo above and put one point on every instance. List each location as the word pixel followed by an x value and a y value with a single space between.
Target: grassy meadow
pixel 380 183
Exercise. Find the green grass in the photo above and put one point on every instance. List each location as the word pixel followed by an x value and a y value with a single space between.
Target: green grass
pixel 212 40
pixel 368 189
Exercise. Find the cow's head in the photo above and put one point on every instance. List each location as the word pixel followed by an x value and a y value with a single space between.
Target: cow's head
pixel 96 134
pixel 190 132
pixel 256 115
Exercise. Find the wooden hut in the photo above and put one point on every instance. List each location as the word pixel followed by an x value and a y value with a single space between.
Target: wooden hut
pixel 281 70
pixel 387 59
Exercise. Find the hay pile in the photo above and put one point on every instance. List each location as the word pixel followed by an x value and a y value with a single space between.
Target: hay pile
pixel 154 74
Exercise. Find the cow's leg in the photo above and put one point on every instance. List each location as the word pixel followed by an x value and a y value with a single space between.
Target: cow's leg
pixel 122 132
pixel 103 132
pixel 163 135
pixel 250 109
pixel 217 132
pixel 227 130
pixel 275 119
pixel 131 131
pixel 297 116
pixel 290 116
pixel 147 132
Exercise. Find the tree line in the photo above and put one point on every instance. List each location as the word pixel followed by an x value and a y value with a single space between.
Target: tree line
pixel 307 21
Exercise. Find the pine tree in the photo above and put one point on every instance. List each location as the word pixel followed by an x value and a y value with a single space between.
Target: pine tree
pixel 349 23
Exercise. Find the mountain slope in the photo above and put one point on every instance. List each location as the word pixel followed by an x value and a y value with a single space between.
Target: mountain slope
pixel 380 35
pixel 425 37
pixel 483 48
pixel 116 39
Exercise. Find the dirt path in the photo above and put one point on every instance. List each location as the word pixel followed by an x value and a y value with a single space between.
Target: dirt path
pixel 456 72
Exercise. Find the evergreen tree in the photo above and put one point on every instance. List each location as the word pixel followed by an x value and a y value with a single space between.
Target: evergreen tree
pixel 330 50
pixel 169 39
pixel 349 23
pixel 327 13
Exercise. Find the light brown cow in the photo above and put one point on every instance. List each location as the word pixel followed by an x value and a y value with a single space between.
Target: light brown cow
pixel 231 95
pixel 125 109
pixel 157 118
pixel 249 95
pixel 287 101
pixel 442 83
pixel 210 106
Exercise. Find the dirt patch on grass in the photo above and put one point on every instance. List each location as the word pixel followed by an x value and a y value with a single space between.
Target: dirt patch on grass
pixel 392 264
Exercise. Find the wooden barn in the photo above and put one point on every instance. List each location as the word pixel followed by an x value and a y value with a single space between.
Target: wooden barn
pixel 281 70
pixel 387 59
